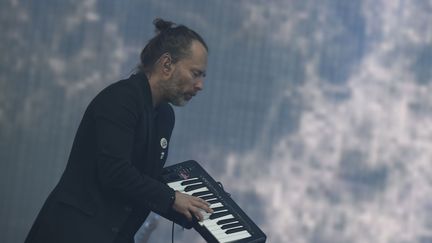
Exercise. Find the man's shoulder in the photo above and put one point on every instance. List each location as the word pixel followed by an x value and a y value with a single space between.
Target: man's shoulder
pixel 124 88
pixel 127 85
pixel 123 92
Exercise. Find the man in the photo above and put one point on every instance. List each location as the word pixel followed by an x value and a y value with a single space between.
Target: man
pixel 110 183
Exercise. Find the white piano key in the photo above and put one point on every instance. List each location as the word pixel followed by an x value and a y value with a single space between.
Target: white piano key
pixel 179 187
pixel 210 222
pixel 201 189
pixel 208 194
pixel 221 232
pixel 205 214
pixel 234 236
pixel 177 183
pixel 237 236
pixel 222 210
pixel 215 205
pixel 219 225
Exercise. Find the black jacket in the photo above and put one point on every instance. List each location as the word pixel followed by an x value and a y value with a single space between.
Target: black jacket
pixel 110 183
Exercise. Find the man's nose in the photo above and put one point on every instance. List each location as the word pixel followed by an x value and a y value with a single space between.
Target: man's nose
pixel 199 85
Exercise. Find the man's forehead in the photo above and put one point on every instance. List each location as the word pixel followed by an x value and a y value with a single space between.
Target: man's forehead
pixel 197 57
pixel 198 48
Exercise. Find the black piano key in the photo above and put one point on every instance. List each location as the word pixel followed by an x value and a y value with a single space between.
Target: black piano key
pixel 185 183
pixel 230 231
pixel 197 194
pixel 226 221
pixel 208 197
pixel 193 187
pixel 216 209
pixel 229 226
pixel 218 214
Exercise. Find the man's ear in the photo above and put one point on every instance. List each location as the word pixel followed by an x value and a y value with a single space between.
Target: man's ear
pixel 166 63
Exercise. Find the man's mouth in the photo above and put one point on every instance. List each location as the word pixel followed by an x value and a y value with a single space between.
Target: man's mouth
pixel 189 96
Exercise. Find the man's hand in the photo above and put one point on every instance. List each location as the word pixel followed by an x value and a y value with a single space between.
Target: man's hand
pixel 190 206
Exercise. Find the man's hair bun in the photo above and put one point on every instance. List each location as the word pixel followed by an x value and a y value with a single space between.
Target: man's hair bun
pixel 162 25
pixel 170 38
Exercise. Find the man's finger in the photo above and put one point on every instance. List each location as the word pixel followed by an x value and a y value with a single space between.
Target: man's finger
pixel 200 199
pixel 204 206
pixel 197 213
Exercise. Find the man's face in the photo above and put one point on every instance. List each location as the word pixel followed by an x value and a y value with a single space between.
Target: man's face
pixel 187 77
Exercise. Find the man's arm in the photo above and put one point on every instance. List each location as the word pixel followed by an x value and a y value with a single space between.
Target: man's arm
pixel 116 114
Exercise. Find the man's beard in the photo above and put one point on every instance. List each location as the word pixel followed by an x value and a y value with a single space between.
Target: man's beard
pixel 178 100
pixel 173 92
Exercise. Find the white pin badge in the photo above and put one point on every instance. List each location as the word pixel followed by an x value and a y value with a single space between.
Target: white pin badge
pixel 163 143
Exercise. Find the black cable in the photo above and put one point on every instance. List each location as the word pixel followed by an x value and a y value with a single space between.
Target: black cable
pixel 172 232
pixel 223 189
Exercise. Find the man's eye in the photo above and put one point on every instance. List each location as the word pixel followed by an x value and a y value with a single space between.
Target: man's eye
pixel 195 74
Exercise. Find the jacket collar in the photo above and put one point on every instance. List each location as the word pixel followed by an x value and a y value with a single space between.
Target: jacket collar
pixel 145 86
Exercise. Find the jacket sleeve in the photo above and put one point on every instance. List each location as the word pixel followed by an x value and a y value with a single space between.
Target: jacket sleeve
pixel 116 115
